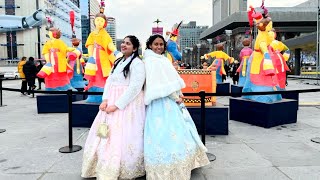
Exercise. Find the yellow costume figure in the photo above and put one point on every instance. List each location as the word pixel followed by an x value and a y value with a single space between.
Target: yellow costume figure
pixel 55 69
pixel 261 70
pixel 218 63
pixel 101 58
pixel 279 58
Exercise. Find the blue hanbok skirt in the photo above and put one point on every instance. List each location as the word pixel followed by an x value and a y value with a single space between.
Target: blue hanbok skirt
pixel 172 147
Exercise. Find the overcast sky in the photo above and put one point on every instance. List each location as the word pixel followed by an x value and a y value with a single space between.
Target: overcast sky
pixel 136 16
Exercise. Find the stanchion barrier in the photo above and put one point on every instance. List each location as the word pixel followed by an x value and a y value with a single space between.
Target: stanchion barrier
pixel 74 148
pixel 304 78
pixel 316 140
pixel 1 105
pixel 71 148
pixel 202 95
pixel 1 102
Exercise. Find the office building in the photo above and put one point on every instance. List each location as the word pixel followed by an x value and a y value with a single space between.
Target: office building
pixel 189 34
pixel 111 28
pixel 27 39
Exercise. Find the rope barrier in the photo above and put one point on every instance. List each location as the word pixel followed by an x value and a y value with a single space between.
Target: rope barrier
pixel 202 94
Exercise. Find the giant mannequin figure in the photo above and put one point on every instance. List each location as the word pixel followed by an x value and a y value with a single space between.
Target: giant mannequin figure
pixel 261 70
pixel 281 55
pixel 245 53
pixel 76 62
pixel 173 53
pixel 55 70
pixel 218 63
pixel 101 58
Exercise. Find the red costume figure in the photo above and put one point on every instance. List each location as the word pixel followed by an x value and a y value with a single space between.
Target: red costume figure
pixel 56 67
pixel 280 59
pixel 245 53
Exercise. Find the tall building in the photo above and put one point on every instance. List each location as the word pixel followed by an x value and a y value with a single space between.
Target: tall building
pixel 111 28
pixel 189 34
pixel 89 8
pixel 118 45
pixel 224 8
pixel 30 39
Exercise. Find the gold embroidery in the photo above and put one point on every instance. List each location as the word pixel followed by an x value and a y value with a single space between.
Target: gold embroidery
pixel 180 170
pixel 91 167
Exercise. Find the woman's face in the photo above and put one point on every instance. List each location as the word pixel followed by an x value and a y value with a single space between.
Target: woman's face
pixel 157 46
pixel 127 47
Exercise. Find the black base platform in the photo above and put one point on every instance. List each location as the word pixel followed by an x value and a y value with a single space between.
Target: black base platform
pixel 223 88
pixel 55 103
pixel 216 119
pixel 83 113
pixel 236 89
pixel 265 115
pixel 291 95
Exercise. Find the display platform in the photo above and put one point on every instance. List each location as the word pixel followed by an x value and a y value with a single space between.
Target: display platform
pixel 216 119
pixel 54 103
pixel 83 113
pixel 265 115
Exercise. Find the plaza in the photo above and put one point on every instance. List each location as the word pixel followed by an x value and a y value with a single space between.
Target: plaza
pixel 30 146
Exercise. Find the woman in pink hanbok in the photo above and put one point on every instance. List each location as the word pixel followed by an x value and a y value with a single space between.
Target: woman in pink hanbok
pixel 119 154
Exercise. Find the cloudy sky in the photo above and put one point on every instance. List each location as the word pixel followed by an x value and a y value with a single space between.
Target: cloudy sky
pixel 136 16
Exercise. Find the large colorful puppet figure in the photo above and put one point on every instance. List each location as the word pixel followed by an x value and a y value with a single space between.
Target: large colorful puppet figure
pixel 77 63
pixel 173 53
pixel 101 58
pixel 56 67
pixel 244 55
pixel 218 63
pixel 261 69
pixel 75 59
pixel 280 54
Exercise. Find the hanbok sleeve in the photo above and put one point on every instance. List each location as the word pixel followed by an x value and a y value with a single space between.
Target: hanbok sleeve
pixel 106 89
pixel 90 40
pixel 137 78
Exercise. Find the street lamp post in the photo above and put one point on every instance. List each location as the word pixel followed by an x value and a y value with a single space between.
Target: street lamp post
pixel 11 44
pixel 228 33
pixel 185 55
pixel 318 47
pixel 191 59
pixel 198 57
pixel 210 46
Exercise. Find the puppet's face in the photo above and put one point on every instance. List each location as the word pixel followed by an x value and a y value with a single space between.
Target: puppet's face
pixel 174 38
pixel 99 22
pixel 265 24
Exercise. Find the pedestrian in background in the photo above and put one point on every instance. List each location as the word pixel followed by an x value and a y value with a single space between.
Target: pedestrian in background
pixel 22 76
pixel 30 71
pixel 40 80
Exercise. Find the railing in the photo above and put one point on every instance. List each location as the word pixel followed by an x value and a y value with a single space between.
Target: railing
pixel 202 94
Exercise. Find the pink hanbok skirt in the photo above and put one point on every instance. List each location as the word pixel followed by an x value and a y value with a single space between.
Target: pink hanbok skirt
pixel 120 156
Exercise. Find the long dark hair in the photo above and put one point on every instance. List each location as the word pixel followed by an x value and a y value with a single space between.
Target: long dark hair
pixel 152 38
pixel 136 43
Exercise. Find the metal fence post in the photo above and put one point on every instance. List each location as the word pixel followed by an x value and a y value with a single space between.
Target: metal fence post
pixel 70 148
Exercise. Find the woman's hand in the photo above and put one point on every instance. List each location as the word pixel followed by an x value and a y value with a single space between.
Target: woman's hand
pixel 111 109
pixel 180 100
pixel 103 106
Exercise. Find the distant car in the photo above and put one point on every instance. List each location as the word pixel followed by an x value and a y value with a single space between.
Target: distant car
pixel 11 75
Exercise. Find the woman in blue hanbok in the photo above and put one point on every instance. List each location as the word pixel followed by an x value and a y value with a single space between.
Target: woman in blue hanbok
pixel 172 147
